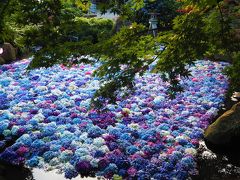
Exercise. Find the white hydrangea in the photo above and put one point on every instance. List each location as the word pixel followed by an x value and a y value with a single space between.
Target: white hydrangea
pixel 104 149
pixel 169 111
pixel 56 92
pixel 10 115
pixel 133 126
pixel 83 136
pixel 170 138
pixel 158 99
pixel 54 162
pixel 74 97
pixel 42 88
pixel 72 86
pixel 182 137
pixel 66 102
pixel 86 158
pixel 61 128
pixel 94 84
pixel 164 133
pixel 24 115
pixel 213 111
pixel 94 162
pixel 191 151
pixel 85 103
pixel 118 114
pixel 82 151
pixel 40 117
pixel 192 119
pixel 98 142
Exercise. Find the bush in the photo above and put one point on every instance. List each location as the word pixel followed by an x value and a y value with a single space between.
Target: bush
pixel 93 29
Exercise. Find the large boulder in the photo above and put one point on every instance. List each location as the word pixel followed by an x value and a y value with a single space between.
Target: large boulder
pixel 226 128
pixel 9 53
pixel 2 61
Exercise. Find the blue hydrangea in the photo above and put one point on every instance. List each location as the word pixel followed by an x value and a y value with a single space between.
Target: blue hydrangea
pixel 146 135
pixel 25 139
pixel 33 162
pixel 9 155
pixel 3 125
pixel 38 143
pixel 76 120
pixel 131 149
pixel 70 173
pixel 2 144
pixel 33 122
pixel 95 131
pixel 111 168
pixel 50 155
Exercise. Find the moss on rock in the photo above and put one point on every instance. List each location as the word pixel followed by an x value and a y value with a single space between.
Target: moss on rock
pixel 225 128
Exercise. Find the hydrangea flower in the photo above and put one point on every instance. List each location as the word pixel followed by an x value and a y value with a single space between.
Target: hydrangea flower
pixel 143 136
pixel 33 162
pixel 4 125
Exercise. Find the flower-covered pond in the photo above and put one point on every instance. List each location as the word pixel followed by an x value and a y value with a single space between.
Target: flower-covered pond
pixel 146 135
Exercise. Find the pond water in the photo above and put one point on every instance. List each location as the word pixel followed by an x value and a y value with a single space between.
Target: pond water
pixel 10 172
pixel 40 174
pixel 146 135
pixel 224 165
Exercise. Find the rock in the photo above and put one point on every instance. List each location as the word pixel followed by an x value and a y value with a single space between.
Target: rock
pixel 225 128
pixel 2 61
pixel 9 53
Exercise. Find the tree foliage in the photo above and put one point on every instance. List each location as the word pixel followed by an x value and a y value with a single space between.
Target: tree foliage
pixel 205 29
pixel 54 30
pixel 190 30
pixel 138 10
pixel 125 54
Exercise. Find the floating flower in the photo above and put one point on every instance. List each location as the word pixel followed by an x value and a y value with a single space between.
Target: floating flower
pixel 3 125
pixel 191 151
pixel 33 162
pixel 144 136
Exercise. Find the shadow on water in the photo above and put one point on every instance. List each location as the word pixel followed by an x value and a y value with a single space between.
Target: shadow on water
pixel 231 150
pixel 10 172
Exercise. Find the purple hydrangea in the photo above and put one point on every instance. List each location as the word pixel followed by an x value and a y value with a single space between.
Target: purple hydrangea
pixel 145 135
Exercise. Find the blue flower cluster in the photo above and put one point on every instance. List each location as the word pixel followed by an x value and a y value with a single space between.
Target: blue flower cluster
pixel 143 136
